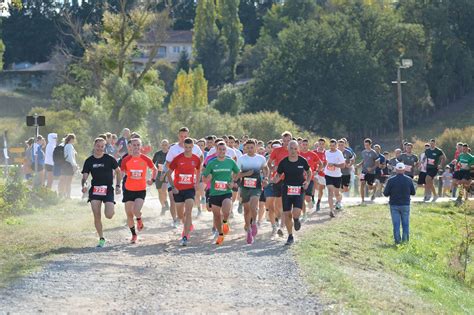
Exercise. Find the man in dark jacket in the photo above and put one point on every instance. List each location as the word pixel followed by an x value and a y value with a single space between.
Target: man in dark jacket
pixel 399 188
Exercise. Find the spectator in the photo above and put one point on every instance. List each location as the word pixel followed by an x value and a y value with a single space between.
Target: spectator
pixel 28 162
pixel 48 161
pixel 37 157
pixel 447 179
pixel 399 188
pixel 122 142
pixel 69 167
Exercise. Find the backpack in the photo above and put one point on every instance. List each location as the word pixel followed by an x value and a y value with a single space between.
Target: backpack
pixel 58 155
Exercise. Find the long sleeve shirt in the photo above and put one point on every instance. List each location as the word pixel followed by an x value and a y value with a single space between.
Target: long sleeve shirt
pixel 70 154
pixel 399 188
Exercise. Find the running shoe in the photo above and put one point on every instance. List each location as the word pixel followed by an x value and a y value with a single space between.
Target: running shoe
pixel 290 240
pixel 318 207
pixel 140 225
pixel 134 239
pixel 280 233
pixel 297 223
pixel 220 240
pixel 215 233
pixel 101 243
pixel 332 214
pixel 274 229
pixel 304 217
pixel 434 199
pixel 239 208
pixel 254 229
pixel 249 237
pixel 199 212
pixel 372 197
pixel 225 228
pixel 175 223
pixel 184 241
pixel 338 206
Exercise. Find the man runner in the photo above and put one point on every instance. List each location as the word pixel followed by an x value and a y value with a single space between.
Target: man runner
pixel 159 159
pixel 346 171
pixel 335 161
pixel 315 163
pixel 465 161
pixel 101 166
pixel 435 159
pixel 320 178
pixel 370 161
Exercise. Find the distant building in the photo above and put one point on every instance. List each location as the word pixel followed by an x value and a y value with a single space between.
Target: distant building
pixel 170 50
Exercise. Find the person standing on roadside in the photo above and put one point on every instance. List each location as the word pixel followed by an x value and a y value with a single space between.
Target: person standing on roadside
pixel 69 168
pixel 399 188
pixel 48 162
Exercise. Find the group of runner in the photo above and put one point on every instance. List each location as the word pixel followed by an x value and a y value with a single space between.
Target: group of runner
pixel 283 178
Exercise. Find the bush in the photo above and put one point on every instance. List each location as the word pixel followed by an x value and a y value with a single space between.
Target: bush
pixel 229 100
pixel 448 139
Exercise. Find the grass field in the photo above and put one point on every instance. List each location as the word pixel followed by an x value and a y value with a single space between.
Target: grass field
pixel 28 241
pixel 352 264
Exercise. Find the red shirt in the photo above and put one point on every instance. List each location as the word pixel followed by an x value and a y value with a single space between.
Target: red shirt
pixel 135 168
pixel 312 158
pixel 185 171
pixel 278 154
pixel 322 158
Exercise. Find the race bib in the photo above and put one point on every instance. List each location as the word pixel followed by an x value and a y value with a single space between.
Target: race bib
pixel 250 182
pixel 464 166
pixel 136 174
pixel 331 167
pixel 431 161
pixel 99 190
pixel 220 185
pixel 186 179
pixel 160 167
pixel 362 176
pixel 408 168
pixel 293 190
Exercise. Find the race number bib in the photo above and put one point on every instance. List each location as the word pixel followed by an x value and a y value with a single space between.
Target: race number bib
pixel 136 174
pixel 220 185
pixel 160 167
pixel 99 190
pixel 185 179
pixel 431 161
pixel 293 190
pixel 408 168
pixel 331 167
pixel 464 166
pixel 250 182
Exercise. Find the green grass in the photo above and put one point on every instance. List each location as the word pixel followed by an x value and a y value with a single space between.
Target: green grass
pixel 29 241
pixel 352 264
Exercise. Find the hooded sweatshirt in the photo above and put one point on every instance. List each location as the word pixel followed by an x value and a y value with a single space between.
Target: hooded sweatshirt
pixel 52 142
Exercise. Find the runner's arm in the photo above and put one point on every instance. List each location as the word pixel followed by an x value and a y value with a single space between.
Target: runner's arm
pixel 118 177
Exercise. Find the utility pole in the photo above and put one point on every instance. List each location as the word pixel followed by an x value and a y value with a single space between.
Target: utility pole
pixel 406 63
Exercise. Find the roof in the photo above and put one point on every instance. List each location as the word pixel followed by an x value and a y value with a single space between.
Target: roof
pixel 179 37
pixel 44 66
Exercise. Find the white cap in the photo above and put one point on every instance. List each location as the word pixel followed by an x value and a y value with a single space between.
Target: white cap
pixel 400 166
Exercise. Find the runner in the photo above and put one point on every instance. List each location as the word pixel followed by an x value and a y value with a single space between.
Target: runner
pixel 269 193
pixel 392 163
pixel 220 172
pixel 410 160
pixel 465 161
pixel 455 165
pixel 422 168
pixel 435 159
pixel 186 167
pixel 135 165
pixel 334 162
pixel 315 163
pixel 159 159
pixel 320 178
pixel 346 171
pixel 379 173
pixel 370 160
pixel 101 166
pixel 251 165
pixel 294 173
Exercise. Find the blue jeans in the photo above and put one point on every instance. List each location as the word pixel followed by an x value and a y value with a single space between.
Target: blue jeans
pixel 400 214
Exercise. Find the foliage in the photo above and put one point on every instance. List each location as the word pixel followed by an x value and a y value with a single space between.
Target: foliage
pixel 229 100
pixel 448 139
pixel 2 50
pixel 183 62
pixel 190 91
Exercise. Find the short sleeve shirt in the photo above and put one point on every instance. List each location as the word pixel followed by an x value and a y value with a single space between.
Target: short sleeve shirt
pixel 335 157
pixel 369 158
pixel 433 157
pixel 410 161
pixel 136 169
pixel 185 171
pixel 295 172
pixel 101 170
pixel 176 150
pixel 221 172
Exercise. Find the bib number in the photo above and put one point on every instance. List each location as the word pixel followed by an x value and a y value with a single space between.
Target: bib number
pixel 99 190
pixel 136 174
pixel 464 166
pixel 293 190
pixel 250 182
pixel 220 185
pixel 160 167
pixel 431 161
pixel 331 167
pixel 185 179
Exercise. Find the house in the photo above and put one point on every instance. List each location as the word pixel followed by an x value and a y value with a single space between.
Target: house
pixel 170 50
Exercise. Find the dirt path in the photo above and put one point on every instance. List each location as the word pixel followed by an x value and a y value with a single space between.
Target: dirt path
pixel 158 275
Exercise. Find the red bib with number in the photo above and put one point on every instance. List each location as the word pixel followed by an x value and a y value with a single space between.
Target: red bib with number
pixel 431 161
pixel 331 167
pixel 99 190
pixel 136 174
pixel 250 182
pixel 186 179
pixel 220 185
pixel 294 190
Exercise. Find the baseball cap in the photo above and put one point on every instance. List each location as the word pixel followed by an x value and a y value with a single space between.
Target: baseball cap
pixel 400 166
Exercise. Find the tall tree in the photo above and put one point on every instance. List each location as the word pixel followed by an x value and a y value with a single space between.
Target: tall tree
pixel 231 31
pixel 189 91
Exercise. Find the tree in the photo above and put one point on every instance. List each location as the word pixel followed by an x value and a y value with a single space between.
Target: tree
pixel 229 101
pixel 231 31
pixel 189 91
pixel 183 62
pixel 209 47
pixel 2 50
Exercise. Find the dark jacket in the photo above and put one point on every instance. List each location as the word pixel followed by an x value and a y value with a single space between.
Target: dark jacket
pixel 399 188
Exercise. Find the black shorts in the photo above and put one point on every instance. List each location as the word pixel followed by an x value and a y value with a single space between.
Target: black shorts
pixel 369 179
pixel 333 181
pixel 109 197
pixel 48 168
pixel 133 195
pixel 346 180
pixel 422 178
pixel 292 201
pixel 218 200
pixel 262 197
pixel 208 191
pixel 184 195
pixel 464 175
pixel 277 189
pixel 381 178
pixel 309 191
pixel 431 172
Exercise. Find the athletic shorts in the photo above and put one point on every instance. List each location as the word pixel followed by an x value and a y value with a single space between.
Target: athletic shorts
pixel 208 197
pixel 422 178
pixel 381 178
pixel 262 197
pixel 277 189
pixel 292 201
pixel 464 175
pixel 368 178
pixel 432 172
pixel 309 191
pixel 218 200
pixel 184 195
pixel 247 193
pixel 321 180
pixel 457 175
pixel 268 191
pixel 333 181
pixel 133 195
pixel 346 180
pixel 108 197
pixel 48 168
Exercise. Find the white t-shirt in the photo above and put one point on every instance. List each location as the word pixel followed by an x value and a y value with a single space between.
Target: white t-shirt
pixel 247 163
pixel 238 153
pixel 334 158
pixel 229 153
pixel 176 150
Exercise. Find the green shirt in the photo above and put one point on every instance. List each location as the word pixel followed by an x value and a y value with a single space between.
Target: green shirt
pixel 433 157
pixel 466 160
pixel 221 172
